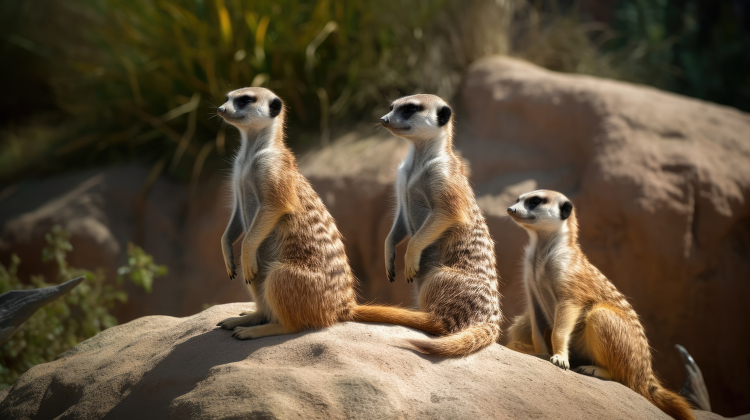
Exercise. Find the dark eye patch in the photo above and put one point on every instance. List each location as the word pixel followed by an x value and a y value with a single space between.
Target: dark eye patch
pixel 243 101
pixel 533 202
pixel 409 109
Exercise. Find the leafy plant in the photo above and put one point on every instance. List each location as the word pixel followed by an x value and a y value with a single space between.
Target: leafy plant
pixel 142 77
pixel 82 313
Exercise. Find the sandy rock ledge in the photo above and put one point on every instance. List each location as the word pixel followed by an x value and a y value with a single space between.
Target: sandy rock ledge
pixel 165 367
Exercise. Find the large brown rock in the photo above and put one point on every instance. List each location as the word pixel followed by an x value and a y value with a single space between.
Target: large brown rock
pixel 661 184
pixel 160 367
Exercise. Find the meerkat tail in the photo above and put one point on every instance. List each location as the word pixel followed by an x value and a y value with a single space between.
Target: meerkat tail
pixel 462 343
pixel 669 402
pixel 422 321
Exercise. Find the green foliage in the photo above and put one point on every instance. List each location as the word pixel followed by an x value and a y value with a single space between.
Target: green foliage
pixel 82 313
pixel 141 268
pixel 139 79
pixel 692 47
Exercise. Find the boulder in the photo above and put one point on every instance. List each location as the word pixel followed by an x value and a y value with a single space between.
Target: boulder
pixel 163 367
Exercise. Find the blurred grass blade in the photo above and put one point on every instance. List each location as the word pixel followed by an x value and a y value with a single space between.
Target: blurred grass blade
pixel 187 136
pixel 260 39
pixel 259 80
pixel 226 24
pixel 221 140
pixel 198 165
pixel 183 109
pixel 313 46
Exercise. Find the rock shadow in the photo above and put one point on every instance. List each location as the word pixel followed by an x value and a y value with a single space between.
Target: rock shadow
pixel 182 369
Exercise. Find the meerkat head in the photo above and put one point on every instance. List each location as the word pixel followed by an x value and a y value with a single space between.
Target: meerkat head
pixel 418 117
pixel 251 108
pixel 541 210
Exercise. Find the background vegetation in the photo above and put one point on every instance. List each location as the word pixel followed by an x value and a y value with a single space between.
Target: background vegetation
pixel 82 313
pixel 97 81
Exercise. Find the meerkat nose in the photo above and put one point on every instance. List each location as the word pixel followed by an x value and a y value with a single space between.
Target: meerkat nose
pixel 385 120
pixel 222 110
pixel 511 211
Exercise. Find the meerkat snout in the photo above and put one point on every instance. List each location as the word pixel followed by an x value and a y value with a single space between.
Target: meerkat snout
pixel 511 211
pixel 221 110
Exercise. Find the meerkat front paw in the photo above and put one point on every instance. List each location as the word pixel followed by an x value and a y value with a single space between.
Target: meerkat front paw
pixel 251 270
pixel 231 271
pixel 560 361
pixel 412 266
pixel 390 267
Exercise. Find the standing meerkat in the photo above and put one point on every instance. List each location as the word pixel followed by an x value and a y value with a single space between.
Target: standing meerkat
pixel 292 258
pixel 450 256
pixel 591 321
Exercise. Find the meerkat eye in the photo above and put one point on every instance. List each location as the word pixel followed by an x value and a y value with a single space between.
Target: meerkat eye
pixel 243 101
pixel 518 199
pixel 391 108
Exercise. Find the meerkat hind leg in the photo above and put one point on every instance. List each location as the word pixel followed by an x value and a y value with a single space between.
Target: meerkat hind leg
pixel 520 335
pixel 245 319
pixel 259 331
pixel 595 371
pixel 604 341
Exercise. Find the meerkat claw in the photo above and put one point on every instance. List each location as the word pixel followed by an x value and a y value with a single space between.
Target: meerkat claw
pixel 560 361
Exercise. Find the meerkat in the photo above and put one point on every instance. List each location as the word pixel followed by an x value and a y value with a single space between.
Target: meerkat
pixel 292 256
pixel 450 255
pixel 591 322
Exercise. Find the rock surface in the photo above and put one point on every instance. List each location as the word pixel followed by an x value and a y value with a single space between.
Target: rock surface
pixel 162 367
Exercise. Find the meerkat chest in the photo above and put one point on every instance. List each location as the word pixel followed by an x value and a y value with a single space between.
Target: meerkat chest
pixel 541 284
pixel 415 183
pixel 250 169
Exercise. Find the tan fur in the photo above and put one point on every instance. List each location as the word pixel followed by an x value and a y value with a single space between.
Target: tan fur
pixel 293 259
pixel 450 256
pixel 591 321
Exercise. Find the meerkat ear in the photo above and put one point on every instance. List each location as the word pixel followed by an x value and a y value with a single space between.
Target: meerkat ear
pixel 444 115
pixel 275 107
pixel 565 209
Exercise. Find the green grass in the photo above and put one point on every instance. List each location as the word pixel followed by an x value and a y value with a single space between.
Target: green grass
pixel 139 79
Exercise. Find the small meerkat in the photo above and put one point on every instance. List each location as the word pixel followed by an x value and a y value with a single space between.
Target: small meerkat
pixel 293 259
pixel 591 321
pixel 450 256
